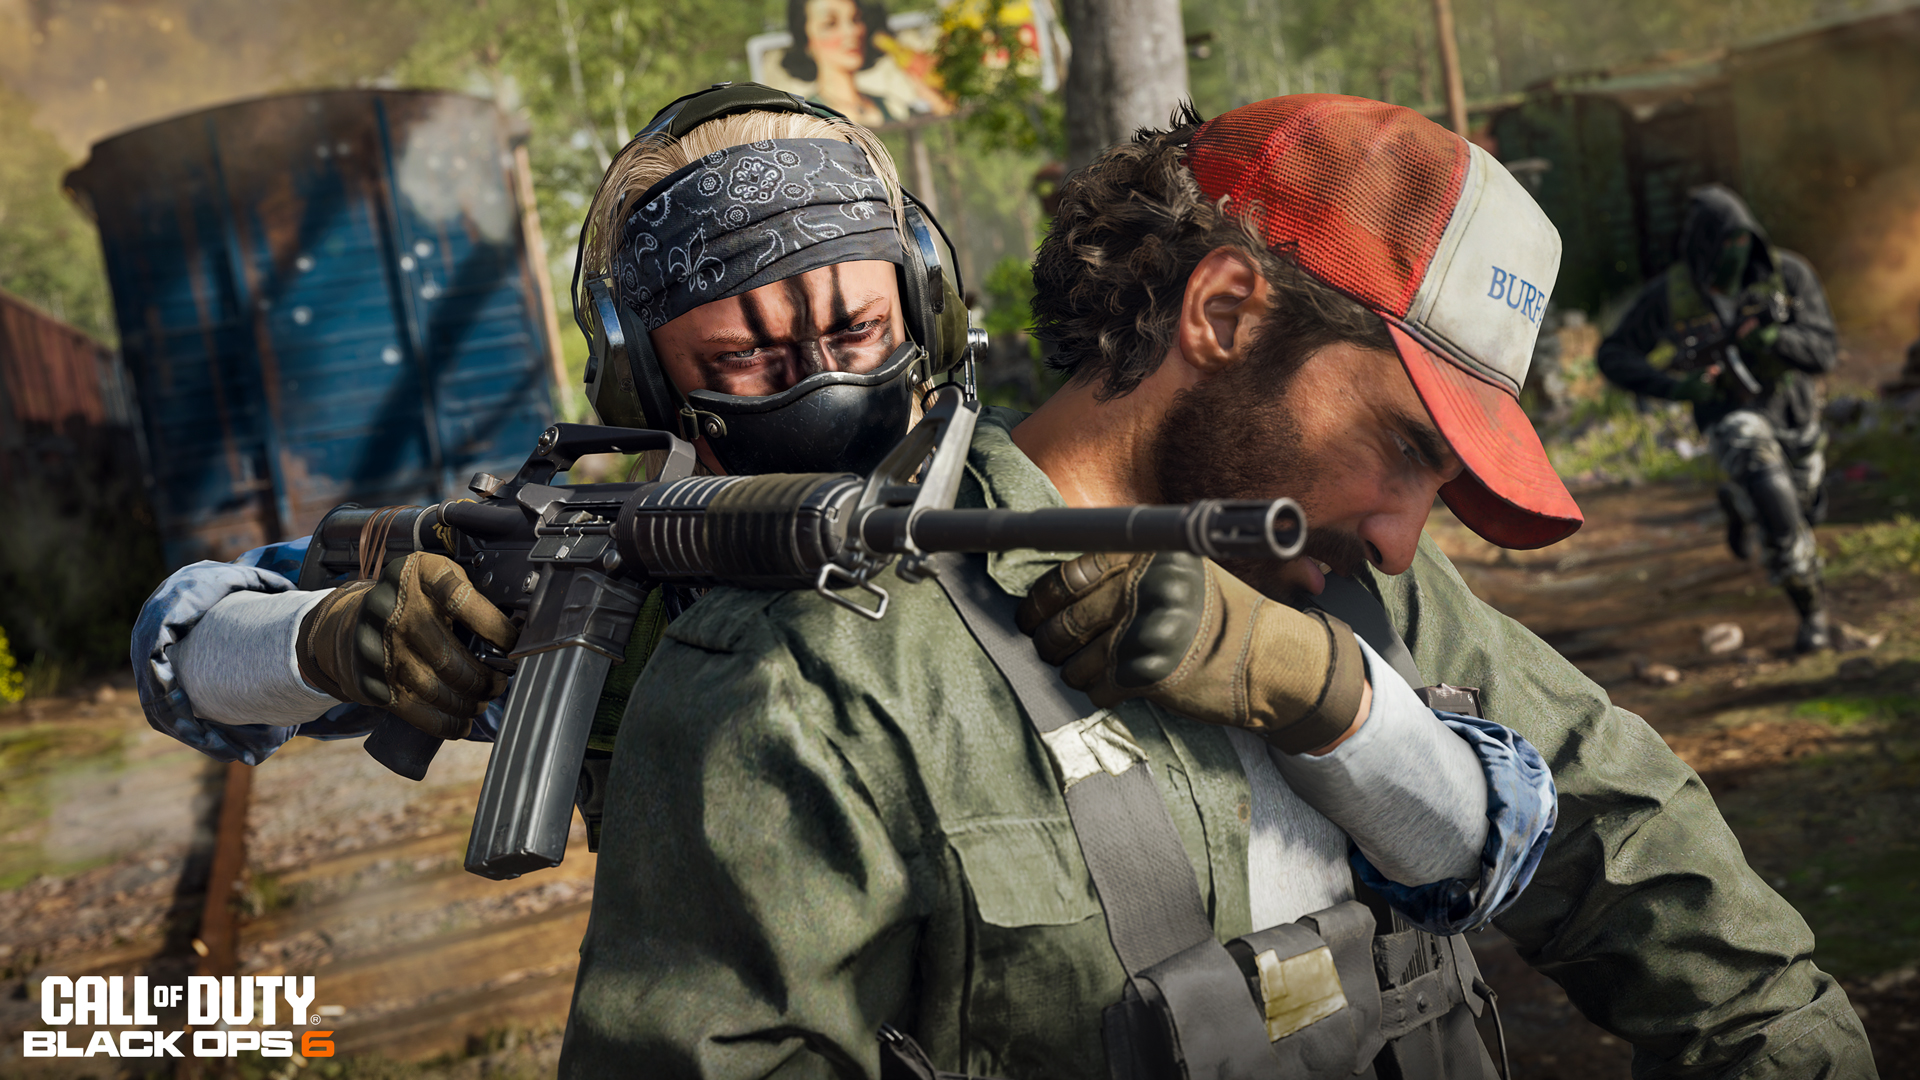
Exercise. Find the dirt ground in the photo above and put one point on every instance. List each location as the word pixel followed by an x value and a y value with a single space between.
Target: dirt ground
pixel 1812 759
pixel 352 875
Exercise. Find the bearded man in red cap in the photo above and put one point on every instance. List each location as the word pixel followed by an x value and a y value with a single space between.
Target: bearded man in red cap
pixel 1064 815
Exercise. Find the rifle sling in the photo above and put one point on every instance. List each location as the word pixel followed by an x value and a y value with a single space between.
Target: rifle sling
pixel 1350 602
pixel 1140 868
pixel 1155 916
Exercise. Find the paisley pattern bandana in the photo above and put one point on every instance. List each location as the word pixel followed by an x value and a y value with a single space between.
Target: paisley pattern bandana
pixel 749 216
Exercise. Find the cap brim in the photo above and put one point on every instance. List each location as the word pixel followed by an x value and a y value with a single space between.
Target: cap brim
pixel 1509 492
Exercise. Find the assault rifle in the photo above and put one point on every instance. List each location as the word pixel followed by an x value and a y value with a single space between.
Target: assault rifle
pixel 573 563
pixel 1764 308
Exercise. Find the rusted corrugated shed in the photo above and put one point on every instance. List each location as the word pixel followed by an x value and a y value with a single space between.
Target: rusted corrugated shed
pixel 51 371
pixel 321 297
pixel 1615 154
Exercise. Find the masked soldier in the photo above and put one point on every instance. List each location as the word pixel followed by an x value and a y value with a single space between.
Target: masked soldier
pixel 1103 816
pixel 1741 329
pixel 808 363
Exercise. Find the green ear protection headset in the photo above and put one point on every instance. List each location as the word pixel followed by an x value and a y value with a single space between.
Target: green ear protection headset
pixel 624 380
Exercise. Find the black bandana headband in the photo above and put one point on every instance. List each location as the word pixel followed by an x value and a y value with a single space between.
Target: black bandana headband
pixel 749 216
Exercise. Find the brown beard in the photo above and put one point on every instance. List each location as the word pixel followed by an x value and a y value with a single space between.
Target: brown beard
pixel 1232 436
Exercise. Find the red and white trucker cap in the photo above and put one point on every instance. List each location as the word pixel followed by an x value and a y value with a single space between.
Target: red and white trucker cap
pixel 1432 234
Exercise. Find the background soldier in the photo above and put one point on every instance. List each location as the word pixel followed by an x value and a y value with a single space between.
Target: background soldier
pixel 1740 328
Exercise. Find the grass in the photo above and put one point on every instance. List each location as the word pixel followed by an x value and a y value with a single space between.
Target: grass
pixel 1863 902
pixel 1878 549
pixel 1610 439
pixel 267 893
pixel 1850 711
pixel 28 757
pixel 1892 457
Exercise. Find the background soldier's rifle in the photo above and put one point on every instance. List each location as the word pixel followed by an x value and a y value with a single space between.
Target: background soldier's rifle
pixel 572 565
pixel 1762 308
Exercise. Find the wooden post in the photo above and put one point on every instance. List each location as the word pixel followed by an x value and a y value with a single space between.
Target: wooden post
pixel 542 278
pixel 922 170
pixel 1450 66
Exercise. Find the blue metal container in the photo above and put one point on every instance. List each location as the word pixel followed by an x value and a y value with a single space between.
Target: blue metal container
pixel 322 297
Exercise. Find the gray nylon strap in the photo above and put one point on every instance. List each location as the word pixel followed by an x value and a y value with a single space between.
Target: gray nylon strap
pixel 1139 867
pixel 1350 602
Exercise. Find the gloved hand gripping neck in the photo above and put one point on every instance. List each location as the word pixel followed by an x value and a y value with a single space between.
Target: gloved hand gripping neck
pixel 1179 631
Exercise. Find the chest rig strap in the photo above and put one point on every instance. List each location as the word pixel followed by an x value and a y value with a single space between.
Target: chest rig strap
pixel 1316 998
pixel 1187 998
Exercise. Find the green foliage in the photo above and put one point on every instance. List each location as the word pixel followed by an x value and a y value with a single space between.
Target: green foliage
pixel 49 252
pixel 584 74
pixel 1009 296
pixel 1609 439
pixel 1879 549
pixel 1860 901
pixel 984 65
pixel 1893 455
pixel 13 681
pixel 1851 710
pixel 30 755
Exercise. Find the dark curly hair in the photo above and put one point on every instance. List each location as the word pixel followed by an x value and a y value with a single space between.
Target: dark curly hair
pixel 1113 269
pixel 800 64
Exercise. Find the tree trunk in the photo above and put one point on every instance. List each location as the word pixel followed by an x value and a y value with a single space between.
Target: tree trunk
pixel 1128 71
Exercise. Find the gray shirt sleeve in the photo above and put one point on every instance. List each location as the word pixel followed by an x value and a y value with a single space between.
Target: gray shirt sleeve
pixel 238 666
pixel 1409 791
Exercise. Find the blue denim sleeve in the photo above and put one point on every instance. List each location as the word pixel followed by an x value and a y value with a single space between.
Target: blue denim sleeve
pixel 178 604
pixel 1522 807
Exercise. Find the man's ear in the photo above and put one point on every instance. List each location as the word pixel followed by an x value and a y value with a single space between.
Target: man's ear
pixel 1226 299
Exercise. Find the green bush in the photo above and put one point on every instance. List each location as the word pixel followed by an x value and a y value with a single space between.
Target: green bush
pixel 1009 296
pixel 13 681
pixel 1878 549
pixel 1611 438
pixel 1893 455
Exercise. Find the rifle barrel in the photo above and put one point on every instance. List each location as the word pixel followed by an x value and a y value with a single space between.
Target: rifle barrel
pixel 1218 529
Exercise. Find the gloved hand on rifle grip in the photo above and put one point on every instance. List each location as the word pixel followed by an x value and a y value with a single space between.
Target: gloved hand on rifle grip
pixel 393 643
pixel 1177 630
pixel 1700 387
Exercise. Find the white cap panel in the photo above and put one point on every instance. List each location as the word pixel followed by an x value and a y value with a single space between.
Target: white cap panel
pixel 1486 289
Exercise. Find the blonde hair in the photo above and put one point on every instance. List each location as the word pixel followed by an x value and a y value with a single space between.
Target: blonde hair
pixel 646 162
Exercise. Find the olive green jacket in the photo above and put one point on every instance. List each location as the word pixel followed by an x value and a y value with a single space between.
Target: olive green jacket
pixel 820 823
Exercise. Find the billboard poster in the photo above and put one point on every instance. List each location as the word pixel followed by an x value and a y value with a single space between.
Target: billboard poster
pixel 878 68
pixel 852 56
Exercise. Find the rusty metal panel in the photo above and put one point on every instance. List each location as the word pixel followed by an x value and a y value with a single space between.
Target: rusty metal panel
pixel 52 371
pixel 322 297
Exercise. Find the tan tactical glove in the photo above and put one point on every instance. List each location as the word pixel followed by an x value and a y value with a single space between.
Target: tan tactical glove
pixel 1178 630
pixel 391 644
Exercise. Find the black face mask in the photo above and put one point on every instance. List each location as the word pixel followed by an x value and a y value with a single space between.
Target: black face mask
pixel 1730 268
pixel 826 423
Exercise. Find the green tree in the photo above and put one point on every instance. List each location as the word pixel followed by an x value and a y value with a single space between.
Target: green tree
pixel 987 66
pixel 49 252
